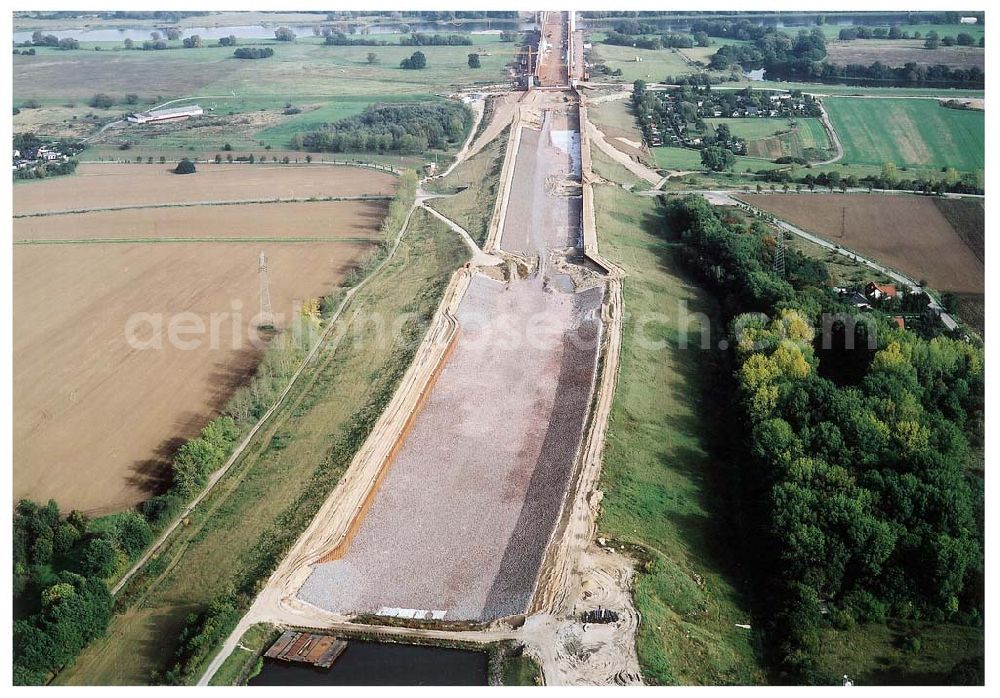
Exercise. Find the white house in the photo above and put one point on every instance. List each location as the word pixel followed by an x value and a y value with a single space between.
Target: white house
pixel 172 114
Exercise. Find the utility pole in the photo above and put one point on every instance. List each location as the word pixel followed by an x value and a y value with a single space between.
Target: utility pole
pixel 266 317
pixel 779 254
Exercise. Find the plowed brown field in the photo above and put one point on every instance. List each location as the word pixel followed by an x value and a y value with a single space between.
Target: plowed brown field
pixel 108 185
pixel 908 233
pixel 96 417
pixel 332 219
pixel 96 421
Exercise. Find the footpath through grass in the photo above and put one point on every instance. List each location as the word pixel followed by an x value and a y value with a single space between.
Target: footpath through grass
pixel 470 190
pixel 269 496
pixel 660 480
pixel 237 668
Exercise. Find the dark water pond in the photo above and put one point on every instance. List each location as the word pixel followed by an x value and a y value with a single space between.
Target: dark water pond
pixel 378 664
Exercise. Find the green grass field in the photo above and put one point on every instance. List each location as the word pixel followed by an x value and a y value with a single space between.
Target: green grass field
pixel 772 138
pixel 886 654
pixel 670 158
pixel 658 472
pixel 908 133
pixel 653 66
pixel 247 96
pixel 271 493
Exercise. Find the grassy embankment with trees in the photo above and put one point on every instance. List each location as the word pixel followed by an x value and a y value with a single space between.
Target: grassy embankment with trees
pixel 246 660
pixel 859 465
pixel 663 482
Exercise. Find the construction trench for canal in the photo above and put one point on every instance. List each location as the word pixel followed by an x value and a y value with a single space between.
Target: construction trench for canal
pixel 469 513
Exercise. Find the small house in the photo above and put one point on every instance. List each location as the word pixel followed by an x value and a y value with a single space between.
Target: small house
pixel 879 291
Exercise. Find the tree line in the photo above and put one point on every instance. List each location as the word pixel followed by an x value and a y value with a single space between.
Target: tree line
pixel 654 43
pixel 803 58
pixel 404 128
pixel 933 39
pixel 857 485
pixel 61 600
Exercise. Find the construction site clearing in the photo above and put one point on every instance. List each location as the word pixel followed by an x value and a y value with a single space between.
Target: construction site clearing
pixel 460 524
pixel 469 513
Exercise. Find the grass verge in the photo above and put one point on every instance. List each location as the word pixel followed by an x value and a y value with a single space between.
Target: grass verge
pixel 471 189
pixel 239 665
pixel 659 475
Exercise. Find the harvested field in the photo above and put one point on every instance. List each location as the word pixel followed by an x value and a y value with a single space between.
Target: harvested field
pixel 908 233
pixel 463 517
pixel 968 218
pixel 97 186
pixel 96 420
pixel 282 221
pixel 898 52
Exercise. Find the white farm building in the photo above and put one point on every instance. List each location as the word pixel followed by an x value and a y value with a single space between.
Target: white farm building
pixel 173 114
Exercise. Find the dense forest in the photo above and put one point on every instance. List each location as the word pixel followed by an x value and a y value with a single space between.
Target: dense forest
pixel 61 601
pixel 404 128
pixel 860 483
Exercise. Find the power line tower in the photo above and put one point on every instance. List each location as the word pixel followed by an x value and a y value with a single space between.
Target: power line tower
pixel 843 221
pixel 266 316
pixel 779 254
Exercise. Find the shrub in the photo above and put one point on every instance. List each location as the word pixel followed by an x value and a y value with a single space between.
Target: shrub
pixel 417 61
pixel 102 101
pixel 185 166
